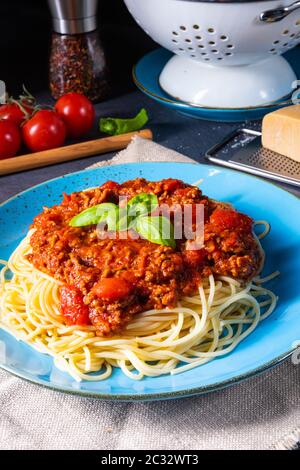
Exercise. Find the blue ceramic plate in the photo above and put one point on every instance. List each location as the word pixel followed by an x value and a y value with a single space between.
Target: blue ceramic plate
pixel 146 75
pixel 270 343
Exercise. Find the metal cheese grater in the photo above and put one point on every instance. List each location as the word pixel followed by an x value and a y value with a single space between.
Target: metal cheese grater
pixel 242 150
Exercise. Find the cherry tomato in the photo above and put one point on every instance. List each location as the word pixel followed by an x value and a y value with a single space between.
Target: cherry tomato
pixel 12 112
pixel 44 131
pixel 73 309
pixel 113 289
pixel 78 113
pixel 171 184
pixel 10 139
pixel 227 219
pixel 110 185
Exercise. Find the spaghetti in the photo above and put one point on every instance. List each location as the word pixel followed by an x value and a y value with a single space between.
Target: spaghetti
pixel 155 342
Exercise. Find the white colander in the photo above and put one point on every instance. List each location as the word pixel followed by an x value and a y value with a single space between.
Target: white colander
pixel 226 53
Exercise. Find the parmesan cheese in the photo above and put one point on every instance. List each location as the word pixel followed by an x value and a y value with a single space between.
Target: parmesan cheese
pixel 281 132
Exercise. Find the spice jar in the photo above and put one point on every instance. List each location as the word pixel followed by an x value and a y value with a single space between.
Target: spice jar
pixel 77 59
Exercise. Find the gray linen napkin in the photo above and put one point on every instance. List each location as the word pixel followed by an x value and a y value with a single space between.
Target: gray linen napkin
pixel 260 413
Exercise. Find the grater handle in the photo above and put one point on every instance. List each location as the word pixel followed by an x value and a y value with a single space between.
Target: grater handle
pixel 228 138
pixel 277 14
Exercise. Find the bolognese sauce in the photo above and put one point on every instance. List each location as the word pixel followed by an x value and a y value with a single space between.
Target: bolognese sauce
pixel 108 281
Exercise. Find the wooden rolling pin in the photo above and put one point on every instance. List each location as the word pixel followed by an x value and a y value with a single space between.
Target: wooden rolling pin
pixel 69 152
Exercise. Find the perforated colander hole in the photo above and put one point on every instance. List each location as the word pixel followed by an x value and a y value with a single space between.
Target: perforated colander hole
pixel 276 42
pixel 292 35
pixel 196 26
pixel 192 55
pixel 223 37
pixel 297 23
pixel 285 44
pixel 203 53
pixel 220 58
pixel 174 40
pixel 272 50
pixel 215 51
pixel 207 59
pixel 175 33
pixel 228 54
pixel 212 43
pixel 201 46
pixel 183 28
pixel 230 46
pixel 199 38
pixel 181 49
pixel 191 49
pixel 188 40
pixel 285 32
pixel 211 30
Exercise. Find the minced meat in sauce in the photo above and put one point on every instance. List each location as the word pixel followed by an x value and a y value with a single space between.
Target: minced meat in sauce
pixel 108 281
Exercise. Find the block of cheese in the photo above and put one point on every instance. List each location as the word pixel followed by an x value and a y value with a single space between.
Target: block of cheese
pixel 281 132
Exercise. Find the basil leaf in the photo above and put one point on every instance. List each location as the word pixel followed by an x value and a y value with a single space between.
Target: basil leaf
pixel 156 229
pixel 141 204
pixel 122 223
pixel 116 126
pixel 96 214
pixel 111 219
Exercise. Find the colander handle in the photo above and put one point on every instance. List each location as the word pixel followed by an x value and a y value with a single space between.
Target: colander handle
pixel 277 14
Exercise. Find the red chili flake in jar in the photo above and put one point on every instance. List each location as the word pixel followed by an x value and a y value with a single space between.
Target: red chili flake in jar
pixel 78 63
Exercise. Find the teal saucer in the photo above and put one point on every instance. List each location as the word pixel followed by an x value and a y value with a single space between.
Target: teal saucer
pixel 146 77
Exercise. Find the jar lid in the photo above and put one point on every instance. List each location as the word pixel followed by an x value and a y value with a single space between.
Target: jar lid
pixel 73 16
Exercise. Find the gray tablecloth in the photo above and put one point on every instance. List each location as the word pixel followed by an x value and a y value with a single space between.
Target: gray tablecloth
pixel 260 413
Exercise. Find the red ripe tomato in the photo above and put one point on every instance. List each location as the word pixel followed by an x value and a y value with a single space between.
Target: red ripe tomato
pixel 73 309
pixel 10 139
pixel 12 112
pixel 113 289
pixel 110 185
pixel 171 184
pixel 227 219
pixel 78 113
pixel 44 131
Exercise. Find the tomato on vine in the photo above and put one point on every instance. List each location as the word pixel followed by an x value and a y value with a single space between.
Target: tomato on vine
pixel 77 112
pixel 43 131
pixel 10 139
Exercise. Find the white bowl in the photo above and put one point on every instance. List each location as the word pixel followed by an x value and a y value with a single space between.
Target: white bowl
pixel 225 55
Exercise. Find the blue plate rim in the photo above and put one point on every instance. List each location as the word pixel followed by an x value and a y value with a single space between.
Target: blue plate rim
pixel 160 395
pixel 185 393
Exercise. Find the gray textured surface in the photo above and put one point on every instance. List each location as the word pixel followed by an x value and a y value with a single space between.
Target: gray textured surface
pixel 256 414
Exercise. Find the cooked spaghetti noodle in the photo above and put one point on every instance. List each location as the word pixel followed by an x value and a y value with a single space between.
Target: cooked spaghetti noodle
pixel 201 328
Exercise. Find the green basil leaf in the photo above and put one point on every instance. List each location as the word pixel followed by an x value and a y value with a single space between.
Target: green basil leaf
pixel 116 126
pixel 96 214
pixel 156 229
pixel 122 222
pixel 141 204
pixel 111 219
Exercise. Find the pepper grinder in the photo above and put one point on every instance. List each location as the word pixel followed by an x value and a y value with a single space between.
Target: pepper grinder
pixel 77 59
